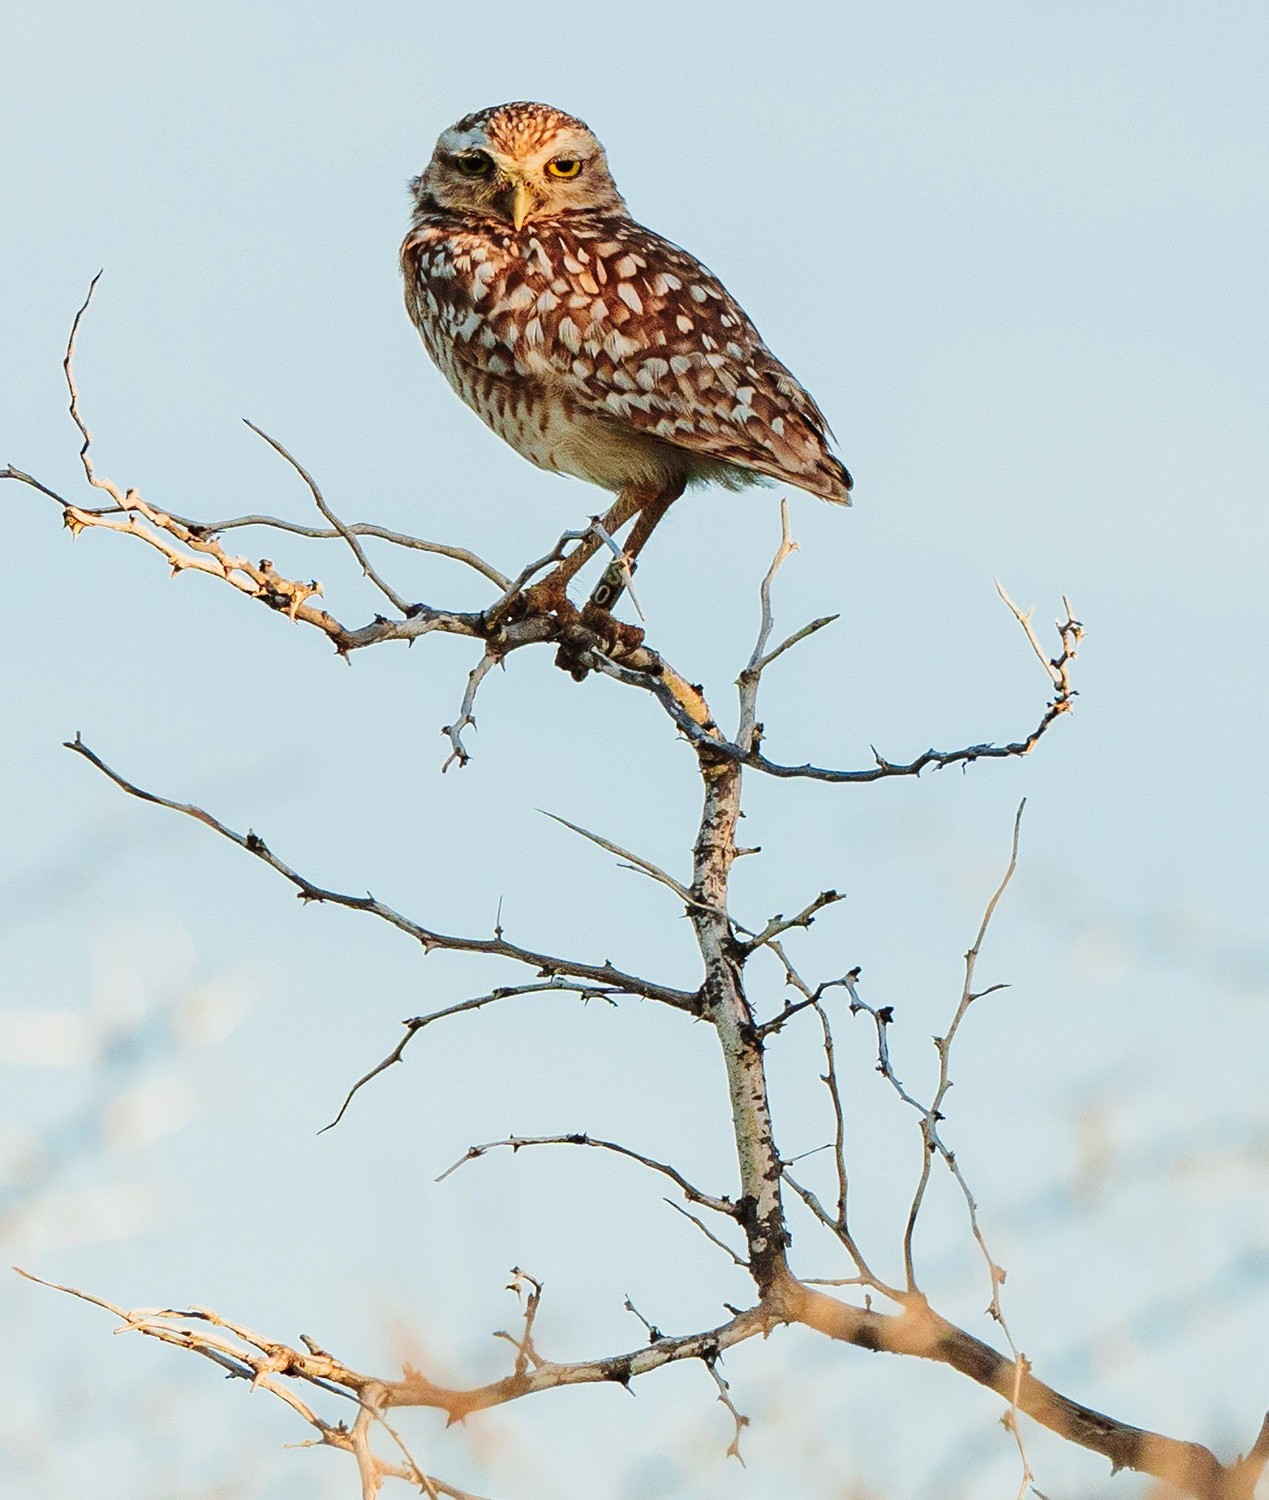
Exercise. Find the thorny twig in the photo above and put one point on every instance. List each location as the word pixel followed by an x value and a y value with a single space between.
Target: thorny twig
pixel 504 992
pixel 780 924
pixel 738 1418
pixel 931 1114
pixel 453 732
pixel 711 1360
pixel 706 736
pixel 526 1354
pixel 836 1223
pixel 268 1363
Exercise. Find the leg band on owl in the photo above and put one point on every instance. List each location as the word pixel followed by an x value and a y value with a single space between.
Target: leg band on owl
pixel 612 585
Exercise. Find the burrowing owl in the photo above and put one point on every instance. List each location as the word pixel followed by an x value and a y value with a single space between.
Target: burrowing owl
pixel 591 345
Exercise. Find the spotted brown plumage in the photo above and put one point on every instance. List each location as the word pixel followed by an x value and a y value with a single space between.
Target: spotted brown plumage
pixel 590 344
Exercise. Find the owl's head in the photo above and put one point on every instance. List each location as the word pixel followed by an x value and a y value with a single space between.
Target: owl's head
pixel 518 162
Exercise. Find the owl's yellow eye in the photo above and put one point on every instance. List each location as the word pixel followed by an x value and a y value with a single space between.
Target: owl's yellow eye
pixel 474 164
pixel 564 166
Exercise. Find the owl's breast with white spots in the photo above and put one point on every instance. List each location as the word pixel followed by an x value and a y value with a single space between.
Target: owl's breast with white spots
pixel 597 348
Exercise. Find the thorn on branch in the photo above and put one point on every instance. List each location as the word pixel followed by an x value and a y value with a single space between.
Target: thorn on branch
pixel 655 1336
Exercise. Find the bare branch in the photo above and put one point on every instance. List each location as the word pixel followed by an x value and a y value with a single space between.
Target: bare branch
pixel 503 992
pixel 634 861
pixel 274 1362
pixel 780 924
pixel 747 733
pixel 709 1234
pixel 767 621
pixel 268 1365
pixel 605 975
pixel 518 1142
pixel 812 627
pixel 724 1396
pixel 526 1354
pixel 933 1114
pixel 349 536
pixel 68 362
pixel 355 528
pixel 916 1331
pixel 704 734
pixel 653 1332
pixel 458 752
pixel 919 1331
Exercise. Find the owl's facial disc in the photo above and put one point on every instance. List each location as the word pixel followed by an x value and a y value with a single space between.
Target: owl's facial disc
pixel 506 166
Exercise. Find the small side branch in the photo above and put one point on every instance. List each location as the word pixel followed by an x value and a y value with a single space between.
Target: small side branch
pixel 355 528
pixel 519 1142
pixel 504 992
pixel 933 1113
pixel 344 531
pixel 466 714
pixel 780 924
pixel 528 1288
pixel 749 731
pixel 703 733
pixel 634 862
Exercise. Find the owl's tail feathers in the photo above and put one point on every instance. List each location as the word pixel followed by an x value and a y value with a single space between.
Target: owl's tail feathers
pixel 835 481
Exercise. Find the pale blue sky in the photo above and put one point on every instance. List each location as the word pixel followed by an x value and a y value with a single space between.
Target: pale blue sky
pixel 1017 252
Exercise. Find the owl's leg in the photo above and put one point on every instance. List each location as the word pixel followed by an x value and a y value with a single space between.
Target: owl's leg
pixel 609 588
pixel 551 593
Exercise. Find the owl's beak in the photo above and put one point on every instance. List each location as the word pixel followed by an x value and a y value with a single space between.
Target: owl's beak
pixel 520 204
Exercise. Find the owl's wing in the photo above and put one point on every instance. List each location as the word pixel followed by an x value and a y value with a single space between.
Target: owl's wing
pixel 634 329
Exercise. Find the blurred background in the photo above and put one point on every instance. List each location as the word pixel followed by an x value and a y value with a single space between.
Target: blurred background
pixel 1017 253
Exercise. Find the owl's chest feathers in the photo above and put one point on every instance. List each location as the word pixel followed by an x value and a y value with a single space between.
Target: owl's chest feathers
pixel 517 325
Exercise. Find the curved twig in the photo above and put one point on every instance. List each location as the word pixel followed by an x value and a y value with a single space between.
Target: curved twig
pixel 503 992
pixel 346 532
pixel 518 1142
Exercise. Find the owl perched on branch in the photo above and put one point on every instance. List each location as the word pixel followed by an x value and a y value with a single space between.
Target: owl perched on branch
pixel 591 345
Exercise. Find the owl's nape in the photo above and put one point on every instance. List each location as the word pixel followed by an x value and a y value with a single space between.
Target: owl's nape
pixel 591 345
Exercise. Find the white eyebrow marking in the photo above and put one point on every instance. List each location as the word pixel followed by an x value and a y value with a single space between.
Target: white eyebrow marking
pixel 465 140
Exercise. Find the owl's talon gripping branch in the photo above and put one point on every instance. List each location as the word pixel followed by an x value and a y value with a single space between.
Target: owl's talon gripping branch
pixel 549 597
